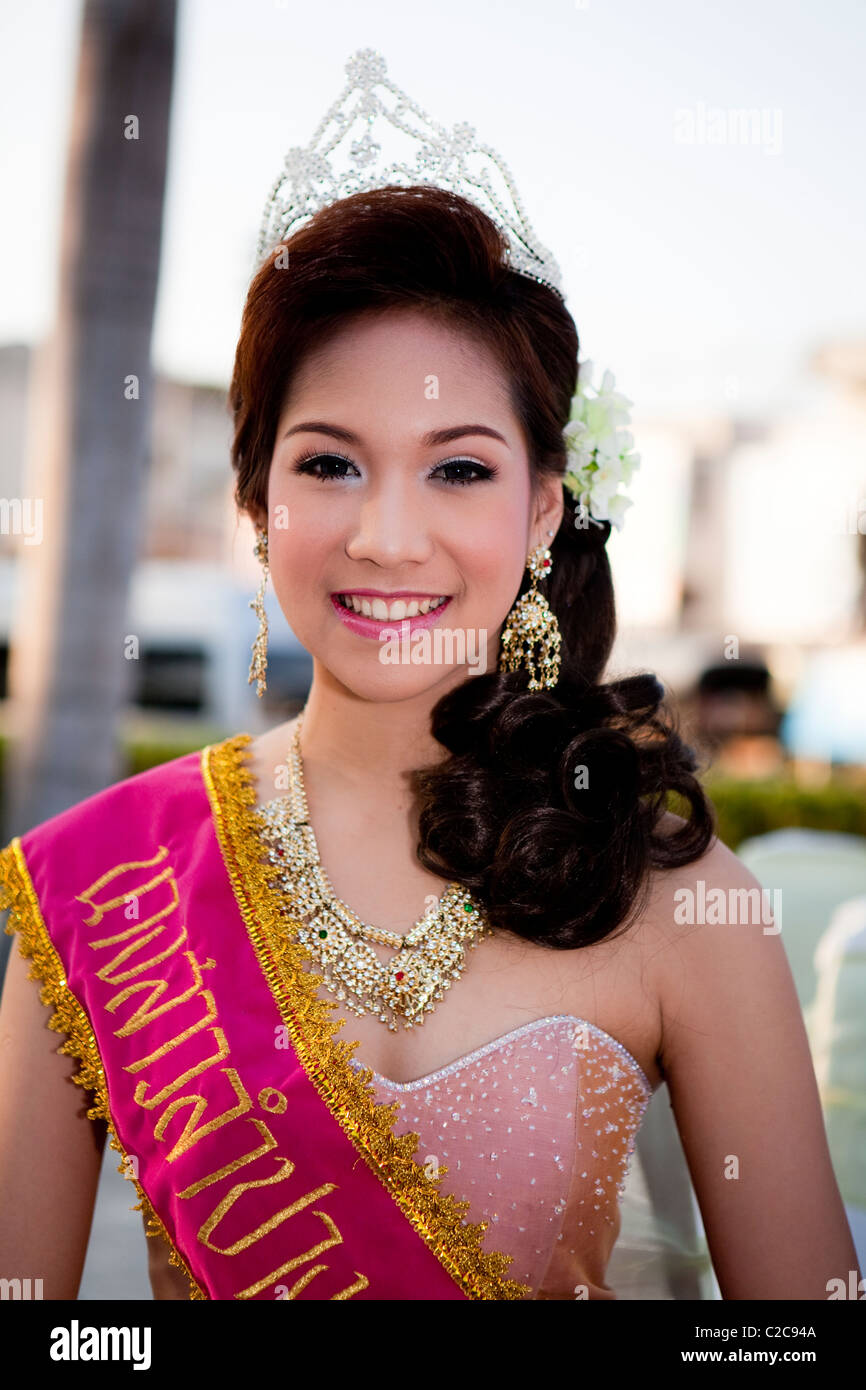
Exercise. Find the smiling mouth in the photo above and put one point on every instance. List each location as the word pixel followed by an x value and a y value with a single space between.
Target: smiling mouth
pixel 389 612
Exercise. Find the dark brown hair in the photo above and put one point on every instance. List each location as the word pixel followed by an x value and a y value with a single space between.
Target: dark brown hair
pixel 561 865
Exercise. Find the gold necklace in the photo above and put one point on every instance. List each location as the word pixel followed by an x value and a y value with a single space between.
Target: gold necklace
pixel 429 957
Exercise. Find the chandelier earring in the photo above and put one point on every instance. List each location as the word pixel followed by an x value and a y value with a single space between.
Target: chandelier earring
pixel 531 637
pixel 259 662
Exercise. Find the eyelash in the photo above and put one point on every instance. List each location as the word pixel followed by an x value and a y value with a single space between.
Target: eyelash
pixel 303 465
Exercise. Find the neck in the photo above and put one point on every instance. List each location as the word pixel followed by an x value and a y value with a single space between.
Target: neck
pixel 367 745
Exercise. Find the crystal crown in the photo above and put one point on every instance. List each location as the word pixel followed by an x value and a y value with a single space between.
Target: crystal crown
pixel 321 173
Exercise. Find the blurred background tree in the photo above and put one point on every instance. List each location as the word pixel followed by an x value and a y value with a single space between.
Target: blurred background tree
pixel 90 418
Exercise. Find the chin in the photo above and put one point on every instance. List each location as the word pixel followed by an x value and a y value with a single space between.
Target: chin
pixel 393 684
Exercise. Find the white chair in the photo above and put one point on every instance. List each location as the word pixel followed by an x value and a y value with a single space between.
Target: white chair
pixel 838 1037
pixel 662 1251
pixel 815 870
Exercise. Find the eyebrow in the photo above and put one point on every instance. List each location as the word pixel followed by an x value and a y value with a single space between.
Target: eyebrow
pixel 443 436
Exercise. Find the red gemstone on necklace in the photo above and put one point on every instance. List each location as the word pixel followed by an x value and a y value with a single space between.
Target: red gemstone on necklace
pixel 399 975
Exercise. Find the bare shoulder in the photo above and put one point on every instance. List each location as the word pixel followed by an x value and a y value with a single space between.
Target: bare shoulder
pixel 718 865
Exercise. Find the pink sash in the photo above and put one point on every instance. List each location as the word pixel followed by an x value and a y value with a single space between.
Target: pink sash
pixel 257 1150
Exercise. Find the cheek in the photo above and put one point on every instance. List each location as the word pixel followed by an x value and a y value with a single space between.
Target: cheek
pixel 494 567
pixel 297 562
pixel 301 537
pixel 299 512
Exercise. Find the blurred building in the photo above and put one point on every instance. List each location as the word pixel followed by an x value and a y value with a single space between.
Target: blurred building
pixel 746 551
pixel 196 575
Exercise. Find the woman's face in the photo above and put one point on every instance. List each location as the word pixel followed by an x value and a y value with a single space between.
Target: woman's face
pixel 400 476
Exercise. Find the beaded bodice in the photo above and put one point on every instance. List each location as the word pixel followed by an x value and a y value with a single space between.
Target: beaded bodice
pixel 536 1130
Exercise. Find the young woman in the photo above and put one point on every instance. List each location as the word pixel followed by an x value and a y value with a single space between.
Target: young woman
pixel 215 934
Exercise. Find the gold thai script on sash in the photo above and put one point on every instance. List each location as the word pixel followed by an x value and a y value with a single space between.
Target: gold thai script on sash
pixel 150 900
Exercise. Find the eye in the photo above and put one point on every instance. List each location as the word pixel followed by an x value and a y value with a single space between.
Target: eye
pixel 308 461
pixel 461 471
pixel 481 472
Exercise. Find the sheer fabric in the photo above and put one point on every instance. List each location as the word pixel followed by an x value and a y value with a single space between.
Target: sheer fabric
pixel 536 1129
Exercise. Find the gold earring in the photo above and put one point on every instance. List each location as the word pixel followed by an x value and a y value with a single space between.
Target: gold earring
pixel 259 662
pixel 532 624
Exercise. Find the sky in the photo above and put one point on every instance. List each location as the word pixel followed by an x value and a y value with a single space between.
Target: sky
pixel 703 274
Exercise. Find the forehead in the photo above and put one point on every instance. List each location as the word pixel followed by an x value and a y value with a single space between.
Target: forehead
pixel 403 345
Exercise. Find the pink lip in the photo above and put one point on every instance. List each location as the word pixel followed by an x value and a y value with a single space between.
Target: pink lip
pixel 373 627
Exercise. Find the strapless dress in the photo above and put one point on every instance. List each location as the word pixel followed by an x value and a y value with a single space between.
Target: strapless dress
pixel 536 1130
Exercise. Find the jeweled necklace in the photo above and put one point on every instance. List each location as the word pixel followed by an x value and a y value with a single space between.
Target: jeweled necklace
pixel 429 957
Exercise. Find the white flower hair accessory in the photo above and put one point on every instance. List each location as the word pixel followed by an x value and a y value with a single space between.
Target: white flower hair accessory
pixel 599 449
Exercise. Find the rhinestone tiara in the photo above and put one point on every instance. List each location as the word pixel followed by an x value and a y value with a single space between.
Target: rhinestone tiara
pixel 452 159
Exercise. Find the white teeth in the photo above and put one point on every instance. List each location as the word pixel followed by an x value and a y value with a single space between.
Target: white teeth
pixel 384 612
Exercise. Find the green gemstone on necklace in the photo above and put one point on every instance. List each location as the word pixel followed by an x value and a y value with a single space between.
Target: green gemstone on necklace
pixel 323 934
pixel 468 907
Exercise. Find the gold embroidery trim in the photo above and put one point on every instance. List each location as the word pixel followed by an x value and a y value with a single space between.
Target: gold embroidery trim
pixel 436 1216
pixel 18 894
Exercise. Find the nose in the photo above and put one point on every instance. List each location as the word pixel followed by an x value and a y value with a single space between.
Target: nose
pixel 391 528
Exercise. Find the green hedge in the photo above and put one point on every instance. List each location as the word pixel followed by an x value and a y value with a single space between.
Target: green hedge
pixel 140 755
pixel 747 808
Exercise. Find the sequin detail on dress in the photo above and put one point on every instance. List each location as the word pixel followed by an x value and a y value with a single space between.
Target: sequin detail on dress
pixel 536 1129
